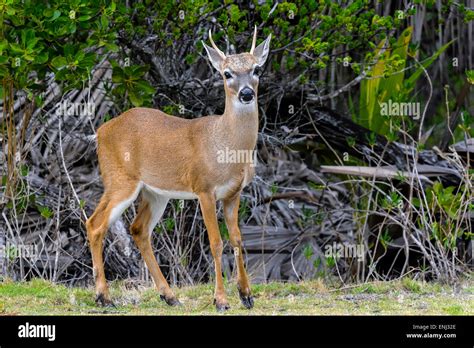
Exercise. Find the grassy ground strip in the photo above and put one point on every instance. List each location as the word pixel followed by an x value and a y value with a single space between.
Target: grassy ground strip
pixel 39 297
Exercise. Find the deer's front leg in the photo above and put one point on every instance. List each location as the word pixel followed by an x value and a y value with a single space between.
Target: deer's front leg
pixel 208 208
pixel 231 214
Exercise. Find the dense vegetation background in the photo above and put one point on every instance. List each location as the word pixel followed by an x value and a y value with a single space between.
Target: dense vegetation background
pixel 335 171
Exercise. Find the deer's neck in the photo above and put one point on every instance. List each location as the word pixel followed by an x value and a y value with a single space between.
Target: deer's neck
pixel 239 124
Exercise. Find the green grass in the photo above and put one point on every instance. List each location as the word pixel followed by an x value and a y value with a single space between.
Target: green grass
pixel 410 297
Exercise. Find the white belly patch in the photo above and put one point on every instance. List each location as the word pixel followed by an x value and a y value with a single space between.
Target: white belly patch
pixel 172 194
pixel 220 192
pixel 223 190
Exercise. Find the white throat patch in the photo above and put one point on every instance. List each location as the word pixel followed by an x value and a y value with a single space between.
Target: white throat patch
pixel 238 106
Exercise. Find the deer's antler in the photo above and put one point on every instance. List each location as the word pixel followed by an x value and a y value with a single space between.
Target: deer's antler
pixel 214 45
pixel 254 41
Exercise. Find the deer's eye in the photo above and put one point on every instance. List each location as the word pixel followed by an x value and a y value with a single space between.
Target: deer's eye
pixel 257 71
pixel 227 75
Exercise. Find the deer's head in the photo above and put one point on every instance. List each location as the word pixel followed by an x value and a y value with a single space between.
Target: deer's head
pixel 240 72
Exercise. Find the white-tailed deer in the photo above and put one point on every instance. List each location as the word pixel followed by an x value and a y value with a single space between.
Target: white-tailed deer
pixel 165 157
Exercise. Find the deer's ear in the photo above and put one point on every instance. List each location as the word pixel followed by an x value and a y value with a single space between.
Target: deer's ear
pixel 215 57
pixel 261 51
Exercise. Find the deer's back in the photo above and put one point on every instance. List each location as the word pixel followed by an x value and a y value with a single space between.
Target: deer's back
pixel 150 146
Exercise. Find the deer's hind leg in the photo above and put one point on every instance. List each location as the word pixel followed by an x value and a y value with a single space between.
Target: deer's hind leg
pixel 113 203
pixel 149 213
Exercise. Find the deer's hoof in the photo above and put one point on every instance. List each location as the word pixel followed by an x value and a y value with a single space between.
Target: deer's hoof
pixel 104 301
pixel 247 301
pixel 221 306
pixel 245 297
pixel 171 301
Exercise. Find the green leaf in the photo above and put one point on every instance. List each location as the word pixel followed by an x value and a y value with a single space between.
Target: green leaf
pixel 410 82
pixel 104 21
pixel 117 75
pixel 11 11
pixel 391 86
pixel 16 48
pixel 470 76
pixel 28 57
pixel 68 50
pixel 27 36
pixel 3 71
pixel 369 88
pixel 112 47
pixel 45 211
pixel 58 62
pixel 224 232
pixel 3 45
pixel 55 16
pixel 24 170
pixel 41 58
pixel 308 252
pixel 32 43
pixel 416 202
pixel 386 82
pixel 145 86
pixel 139 70
pixel 135 98
pixel 84 18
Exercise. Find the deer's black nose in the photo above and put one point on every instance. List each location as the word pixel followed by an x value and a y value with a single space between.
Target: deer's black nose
pixel 246 95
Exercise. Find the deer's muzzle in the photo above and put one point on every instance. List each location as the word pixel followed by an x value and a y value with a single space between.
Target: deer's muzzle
pixel 246 95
